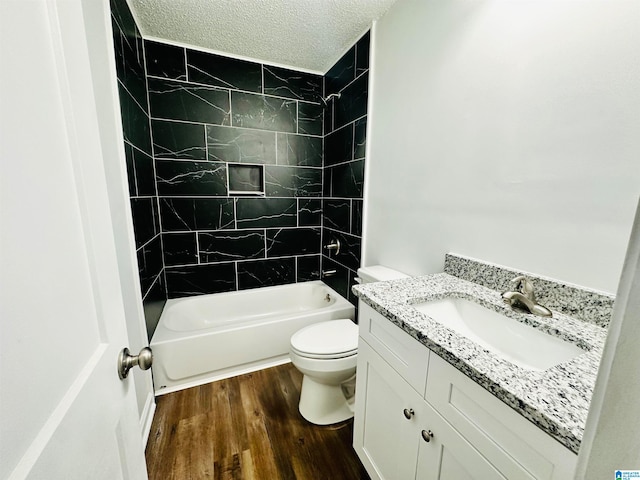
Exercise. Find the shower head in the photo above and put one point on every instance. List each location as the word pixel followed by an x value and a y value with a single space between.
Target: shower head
pixel 325 101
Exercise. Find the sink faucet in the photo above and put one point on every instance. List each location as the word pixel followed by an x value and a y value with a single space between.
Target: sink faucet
pixel 524 298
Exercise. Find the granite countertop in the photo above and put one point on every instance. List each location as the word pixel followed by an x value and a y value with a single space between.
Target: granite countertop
pixel 556 400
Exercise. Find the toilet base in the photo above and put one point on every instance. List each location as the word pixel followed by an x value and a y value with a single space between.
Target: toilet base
pixel 323 404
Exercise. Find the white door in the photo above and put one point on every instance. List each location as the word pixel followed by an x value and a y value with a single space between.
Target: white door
pixel 64 413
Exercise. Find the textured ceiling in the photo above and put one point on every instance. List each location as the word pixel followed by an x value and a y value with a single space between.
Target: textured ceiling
pixel 304 34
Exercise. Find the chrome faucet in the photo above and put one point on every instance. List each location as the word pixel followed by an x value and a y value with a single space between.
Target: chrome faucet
pixel 523 297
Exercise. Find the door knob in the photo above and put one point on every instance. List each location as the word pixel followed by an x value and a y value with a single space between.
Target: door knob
pixel 126 361
pixel 408 413
pixel 427 435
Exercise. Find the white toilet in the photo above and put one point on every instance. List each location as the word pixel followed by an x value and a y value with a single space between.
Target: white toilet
pixel 326 354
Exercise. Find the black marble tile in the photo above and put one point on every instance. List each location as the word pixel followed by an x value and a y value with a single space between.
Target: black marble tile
pixel 264 113
pixel 153 304
pixel 133 76
pixel 265 273
pixel 309 212
pixel 299 150
pixel 339 280
pixel 224 72
pixel 336 214
pixel 341 74
pixel 122 15
pixel 328 118
pixel 180 101
pixel 308 268
pixel 350 248
pixel 310 118
pixel 135 122
pixel 231 245
pixel 353 102
pixel 177 177
pixel 178 140
pixel 293 181
pixel 326 181
pixel 166 61
pixel 155 208
pixel 362 54
pixel 266 212
pixel 292 84
pixel 145 175
pixel 187 214
pixel 149 263
pixel 144 226
pixel 356 217
pixel 131 170
pixel 200 279
pixel 360 138
pixel 347 179
pixel 338 146
pixel 284 242
pixel 180 248
pixel 118 48
pixel 245 179
pixel 229 144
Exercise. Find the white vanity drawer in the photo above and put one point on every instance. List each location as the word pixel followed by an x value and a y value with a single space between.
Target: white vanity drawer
pixel 404 353
pixel 515 446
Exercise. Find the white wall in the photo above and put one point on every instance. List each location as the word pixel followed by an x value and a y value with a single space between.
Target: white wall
pixel 508 131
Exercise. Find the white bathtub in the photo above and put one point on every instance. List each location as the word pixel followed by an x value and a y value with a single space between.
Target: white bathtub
pixel 209 337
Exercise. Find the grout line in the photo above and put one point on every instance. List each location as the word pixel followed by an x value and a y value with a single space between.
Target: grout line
pixel 246 260
pixel 145 295
pixel 192 122
pixel 249 92
pixel 198 247
pixel 186 66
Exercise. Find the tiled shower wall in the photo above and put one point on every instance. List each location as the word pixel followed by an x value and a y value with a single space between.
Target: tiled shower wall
pixel 344 163
pixel 134 107
pixel 221 125
pixel 201 127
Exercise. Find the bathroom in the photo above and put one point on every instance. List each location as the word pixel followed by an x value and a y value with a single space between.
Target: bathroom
pixel 501 130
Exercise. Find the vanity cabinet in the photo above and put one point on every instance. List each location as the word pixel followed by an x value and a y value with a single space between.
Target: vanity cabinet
pixel 417 417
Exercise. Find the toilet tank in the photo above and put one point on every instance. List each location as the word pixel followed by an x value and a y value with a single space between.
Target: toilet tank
pixel 378 273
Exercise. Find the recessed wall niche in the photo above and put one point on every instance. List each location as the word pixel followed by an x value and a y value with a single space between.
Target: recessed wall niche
pixel 246 179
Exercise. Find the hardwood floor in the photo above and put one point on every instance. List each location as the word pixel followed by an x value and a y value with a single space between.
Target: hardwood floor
pixel 245 428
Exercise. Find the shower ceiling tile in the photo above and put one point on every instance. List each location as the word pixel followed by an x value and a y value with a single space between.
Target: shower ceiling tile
pixel 307 35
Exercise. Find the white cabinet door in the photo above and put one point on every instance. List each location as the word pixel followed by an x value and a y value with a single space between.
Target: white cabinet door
pixel 447 455
pixel 385 440
pixel 64 414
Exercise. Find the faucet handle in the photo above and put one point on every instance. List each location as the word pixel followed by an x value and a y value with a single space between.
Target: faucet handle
pixel 524 286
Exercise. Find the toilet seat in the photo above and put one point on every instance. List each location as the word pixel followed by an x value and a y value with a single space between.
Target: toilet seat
pixel 326 340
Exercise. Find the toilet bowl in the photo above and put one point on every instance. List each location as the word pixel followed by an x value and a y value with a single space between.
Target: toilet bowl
pixel 326 354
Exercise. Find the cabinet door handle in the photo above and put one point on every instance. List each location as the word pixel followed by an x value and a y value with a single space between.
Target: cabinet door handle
pixel 408 413
pixel 427 435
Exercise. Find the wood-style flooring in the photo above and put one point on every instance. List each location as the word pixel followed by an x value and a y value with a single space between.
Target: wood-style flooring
pixel 247 427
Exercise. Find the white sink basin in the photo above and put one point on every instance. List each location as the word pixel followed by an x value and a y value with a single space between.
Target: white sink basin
pixel 515 342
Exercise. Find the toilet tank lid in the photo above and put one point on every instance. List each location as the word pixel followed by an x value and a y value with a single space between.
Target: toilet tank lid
pixel 378 273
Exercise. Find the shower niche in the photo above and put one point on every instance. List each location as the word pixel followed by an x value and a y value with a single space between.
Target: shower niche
pixel 246 179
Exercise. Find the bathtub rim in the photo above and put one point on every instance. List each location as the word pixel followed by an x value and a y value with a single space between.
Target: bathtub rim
pixel 164 334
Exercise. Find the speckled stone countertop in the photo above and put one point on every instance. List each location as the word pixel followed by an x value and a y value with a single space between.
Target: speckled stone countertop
pixel 556 400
